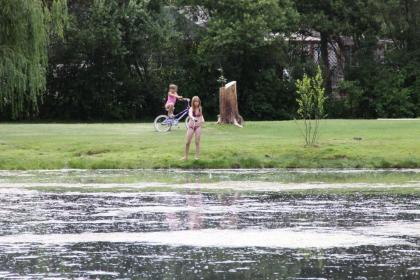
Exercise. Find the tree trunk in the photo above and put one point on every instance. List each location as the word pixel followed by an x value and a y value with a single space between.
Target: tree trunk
pixel 326 61
pixel 228 105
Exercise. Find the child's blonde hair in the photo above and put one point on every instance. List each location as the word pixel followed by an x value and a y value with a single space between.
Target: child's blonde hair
pixel 196 99
pixel 173 86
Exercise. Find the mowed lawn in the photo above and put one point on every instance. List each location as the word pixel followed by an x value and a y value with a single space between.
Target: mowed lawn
pixel 342 144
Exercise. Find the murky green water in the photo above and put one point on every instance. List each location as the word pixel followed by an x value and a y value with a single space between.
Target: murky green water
pixel 210 225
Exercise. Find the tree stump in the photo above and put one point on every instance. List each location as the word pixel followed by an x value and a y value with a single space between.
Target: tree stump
pixel 228 105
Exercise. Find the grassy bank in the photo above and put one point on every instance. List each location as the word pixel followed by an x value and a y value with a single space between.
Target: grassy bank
pixel 383 144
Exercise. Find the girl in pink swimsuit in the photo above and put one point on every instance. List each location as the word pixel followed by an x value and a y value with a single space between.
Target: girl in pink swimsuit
pixel 172 97
pixel 194 127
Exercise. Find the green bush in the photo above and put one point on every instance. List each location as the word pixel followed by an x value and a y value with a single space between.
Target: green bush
pixel 311 99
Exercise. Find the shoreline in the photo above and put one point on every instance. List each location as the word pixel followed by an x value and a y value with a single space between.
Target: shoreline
pixel 224 170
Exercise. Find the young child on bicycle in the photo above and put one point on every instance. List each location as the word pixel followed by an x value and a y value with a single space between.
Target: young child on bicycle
pixel 172 98
pixel 194 127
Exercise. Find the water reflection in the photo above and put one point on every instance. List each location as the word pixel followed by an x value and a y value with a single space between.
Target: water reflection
pixel 76 176
pixel 196 210
pixel 162 262
pixel 199 235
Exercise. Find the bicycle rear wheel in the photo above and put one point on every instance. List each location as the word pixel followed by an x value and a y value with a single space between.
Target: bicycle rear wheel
pixel 163 123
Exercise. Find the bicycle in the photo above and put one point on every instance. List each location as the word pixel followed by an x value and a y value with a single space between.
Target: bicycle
pixel 163 123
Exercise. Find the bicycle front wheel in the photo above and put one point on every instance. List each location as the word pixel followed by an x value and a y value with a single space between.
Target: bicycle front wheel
pixel 162 123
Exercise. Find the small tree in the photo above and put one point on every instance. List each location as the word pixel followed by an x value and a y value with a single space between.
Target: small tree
pixel 311 99
pixel 222 80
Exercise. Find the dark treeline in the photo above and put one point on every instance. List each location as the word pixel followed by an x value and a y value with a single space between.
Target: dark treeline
pixel 117 57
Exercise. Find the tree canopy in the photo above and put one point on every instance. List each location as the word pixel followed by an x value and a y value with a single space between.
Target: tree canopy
pixel 113 59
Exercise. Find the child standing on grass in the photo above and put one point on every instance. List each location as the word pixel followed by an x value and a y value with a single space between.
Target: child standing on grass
pixel 172 98
pixel 194 127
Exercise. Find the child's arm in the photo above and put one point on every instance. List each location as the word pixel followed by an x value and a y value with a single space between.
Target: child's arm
pixel 175 95
pixel 191 115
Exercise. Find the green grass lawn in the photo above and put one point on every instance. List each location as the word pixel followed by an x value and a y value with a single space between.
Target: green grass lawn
pixel 384 144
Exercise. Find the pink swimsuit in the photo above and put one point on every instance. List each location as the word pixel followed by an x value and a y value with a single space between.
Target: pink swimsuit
pixel 193 124
pixel 171 100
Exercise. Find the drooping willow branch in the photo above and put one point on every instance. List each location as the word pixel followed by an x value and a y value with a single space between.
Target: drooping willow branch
pixel 25 29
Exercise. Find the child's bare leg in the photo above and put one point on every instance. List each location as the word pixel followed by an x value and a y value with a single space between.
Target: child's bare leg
pixel 170 109
pixel 190 134
pixel 197 142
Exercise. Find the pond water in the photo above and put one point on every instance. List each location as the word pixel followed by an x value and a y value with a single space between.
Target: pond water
pixel 221 224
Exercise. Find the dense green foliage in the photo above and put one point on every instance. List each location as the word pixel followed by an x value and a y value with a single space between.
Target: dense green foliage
pixel 118 56
pixel 25 27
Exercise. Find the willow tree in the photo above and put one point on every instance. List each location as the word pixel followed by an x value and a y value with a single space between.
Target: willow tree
pixel 25 30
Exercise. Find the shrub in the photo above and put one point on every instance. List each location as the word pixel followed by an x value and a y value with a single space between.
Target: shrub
pixel 311 101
